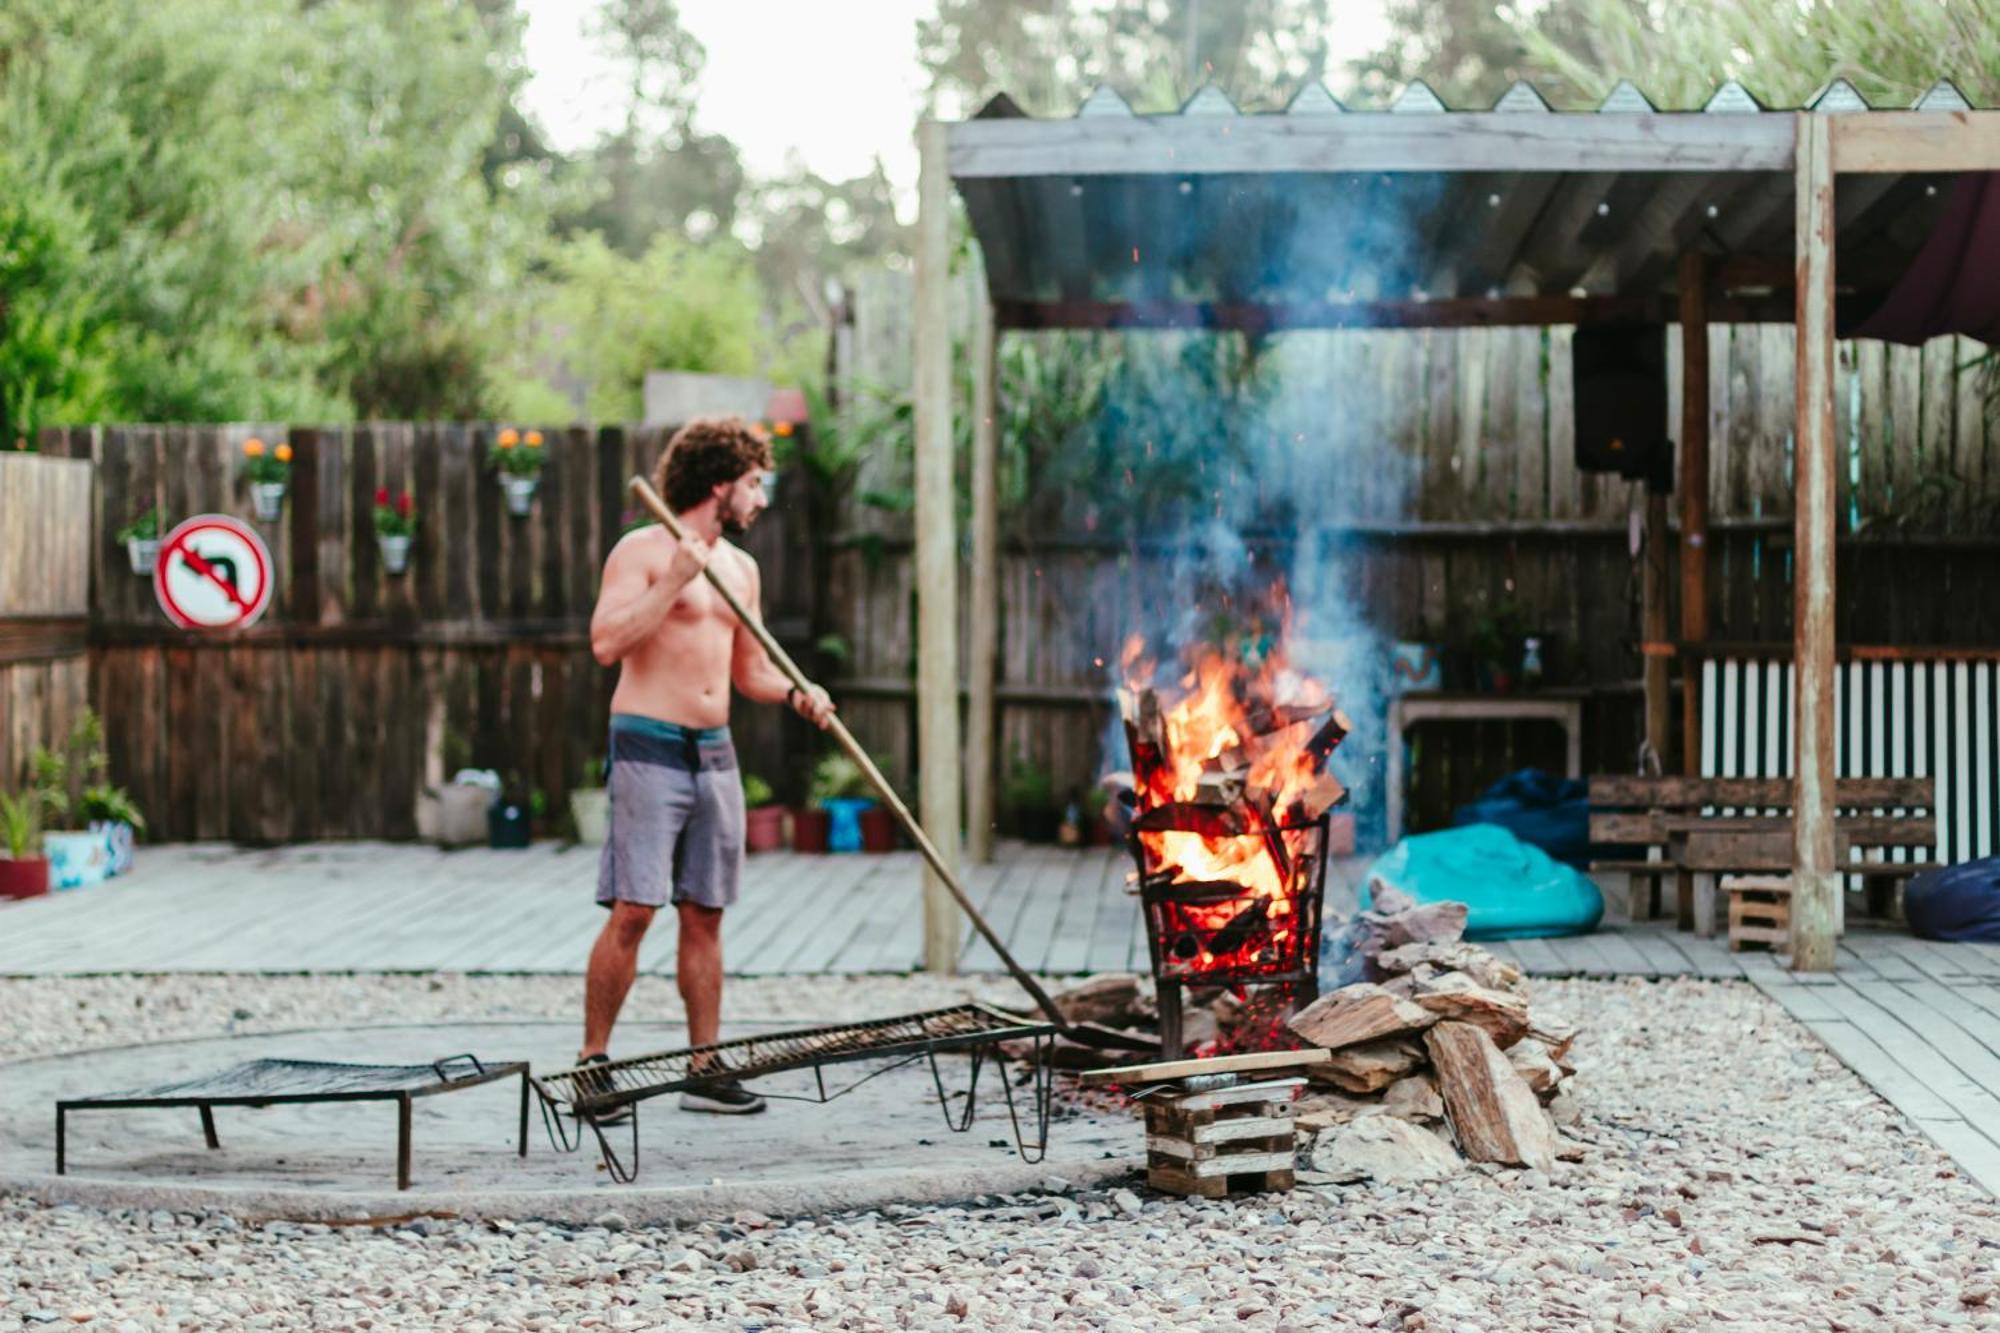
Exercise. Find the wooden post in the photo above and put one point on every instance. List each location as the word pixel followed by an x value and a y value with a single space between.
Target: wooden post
pixel 938 755
pixel 1694 499
pixel 1653 611
pixel 983 636
pixel 1816 885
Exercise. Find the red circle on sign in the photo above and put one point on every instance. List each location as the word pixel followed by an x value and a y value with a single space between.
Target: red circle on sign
pixel 213 572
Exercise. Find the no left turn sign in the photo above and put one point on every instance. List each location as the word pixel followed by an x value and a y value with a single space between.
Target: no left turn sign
pixel 213 573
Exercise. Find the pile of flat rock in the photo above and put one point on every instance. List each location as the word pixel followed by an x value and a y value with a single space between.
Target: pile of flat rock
pixel 1436 1056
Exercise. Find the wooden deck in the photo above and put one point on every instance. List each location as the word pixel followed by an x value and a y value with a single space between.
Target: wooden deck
pixel 1919 1021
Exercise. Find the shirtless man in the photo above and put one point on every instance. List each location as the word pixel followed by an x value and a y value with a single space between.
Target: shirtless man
pixel 676 797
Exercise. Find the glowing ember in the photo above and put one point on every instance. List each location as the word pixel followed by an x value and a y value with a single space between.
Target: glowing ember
pixel 1230 785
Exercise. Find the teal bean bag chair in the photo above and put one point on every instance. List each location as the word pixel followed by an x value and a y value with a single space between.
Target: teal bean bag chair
pixel 1511 889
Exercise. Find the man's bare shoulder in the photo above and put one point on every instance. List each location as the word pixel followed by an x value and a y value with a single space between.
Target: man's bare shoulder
pixel 641 541
pixel 740 560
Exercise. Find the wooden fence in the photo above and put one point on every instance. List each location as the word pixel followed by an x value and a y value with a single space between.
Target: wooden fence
pixel 324 720
pixel 1439 466
pixel 44 602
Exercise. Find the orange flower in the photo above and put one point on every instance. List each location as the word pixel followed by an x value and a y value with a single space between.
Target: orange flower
pixel 533 439
pixel 253 447
pixel 508 438
pixel 783 430
pixel 284 453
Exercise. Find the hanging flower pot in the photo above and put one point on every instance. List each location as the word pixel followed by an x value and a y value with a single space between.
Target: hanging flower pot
pixel 518 458
pixel 143 552
pixel 520 494
pixel 141 538
pixel 395 528
pixel 269 471
pixel 267 499
pixel 395 552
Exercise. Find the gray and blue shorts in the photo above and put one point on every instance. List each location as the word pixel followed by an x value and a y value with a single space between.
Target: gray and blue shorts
pixel 676 816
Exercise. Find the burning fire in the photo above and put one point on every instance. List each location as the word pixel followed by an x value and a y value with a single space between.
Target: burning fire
pixel 1230 783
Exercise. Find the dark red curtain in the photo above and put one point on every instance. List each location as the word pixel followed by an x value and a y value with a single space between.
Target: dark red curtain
pixel 1953 285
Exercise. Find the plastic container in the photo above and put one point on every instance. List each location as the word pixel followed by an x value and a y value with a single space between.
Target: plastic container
pixel 764 828
pixel 810 829
pixel 879 831
pixel 845 835
pixel 507 826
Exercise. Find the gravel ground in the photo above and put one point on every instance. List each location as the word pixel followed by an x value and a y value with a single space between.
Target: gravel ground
pixel 1733 1173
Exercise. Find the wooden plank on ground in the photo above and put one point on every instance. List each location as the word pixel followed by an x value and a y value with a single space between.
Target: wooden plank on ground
pixel 1923 1063
pixel 1165 1070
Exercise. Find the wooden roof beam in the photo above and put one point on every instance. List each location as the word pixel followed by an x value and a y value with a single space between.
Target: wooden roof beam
pixel 1484 141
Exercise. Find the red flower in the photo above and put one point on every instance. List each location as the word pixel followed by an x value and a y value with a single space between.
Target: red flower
pixel 381 495
pixel 403 504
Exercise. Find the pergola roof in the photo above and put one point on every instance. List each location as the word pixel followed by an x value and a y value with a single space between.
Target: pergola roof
pixel 1317 216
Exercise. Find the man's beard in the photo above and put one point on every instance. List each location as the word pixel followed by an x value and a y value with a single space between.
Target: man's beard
pixel 734 522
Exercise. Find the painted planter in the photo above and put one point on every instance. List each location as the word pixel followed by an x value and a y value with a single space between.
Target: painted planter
pixel 267 500
pixel 119 836
pixel 395 552
pixel 764 828
pixel 77 860
pixel 520 493
pixel 845 835
pixel 879 830
pixel 143 552
pixel 24 879
pixel 590 810
pixel 810 829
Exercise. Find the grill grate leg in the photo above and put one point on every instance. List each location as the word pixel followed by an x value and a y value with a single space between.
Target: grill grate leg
pixel 208 1126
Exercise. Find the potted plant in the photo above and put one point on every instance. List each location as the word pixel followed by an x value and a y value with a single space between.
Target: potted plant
pixel 840 789
pixel 518 458
pixel 395 526
pixel 763 817
pixel 24 871
pixel 141 539
pixel 89 824
pixel 1029 797
pixel 590 807
pixel 270 471
pixel 510 820
pixel 110 811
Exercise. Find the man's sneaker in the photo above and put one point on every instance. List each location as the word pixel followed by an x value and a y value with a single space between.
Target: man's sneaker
pixel 725 1097
pixel 588 1086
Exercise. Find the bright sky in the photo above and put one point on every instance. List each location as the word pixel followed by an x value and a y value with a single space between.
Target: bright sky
pixel 836 83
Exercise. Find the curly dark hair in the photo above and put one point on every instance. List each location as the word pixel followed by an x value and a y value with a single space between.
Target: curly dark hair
pixel 704 453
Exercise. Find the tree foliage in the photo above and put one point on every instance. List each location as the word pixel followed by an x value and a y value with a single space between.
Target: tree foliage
pixel 1048 54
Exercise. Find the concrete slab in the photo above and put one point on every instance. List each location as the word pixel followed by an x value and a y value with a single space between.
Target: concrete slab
pixel 886 1141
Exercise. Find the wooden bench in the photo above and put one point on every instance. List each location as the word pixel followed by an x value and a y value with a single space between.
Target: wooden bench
pixel 1698 828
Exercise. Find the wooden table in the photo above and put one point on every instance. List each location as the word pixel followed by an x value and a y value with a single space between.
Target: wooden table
pixel 1408 709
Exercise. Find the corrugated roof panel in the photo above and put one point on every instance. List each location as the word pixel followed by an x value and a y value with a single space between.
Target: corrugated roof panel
pixel 1418 97
pixel 1838 98
pixel 1732 98
pixel 1315 100
pixel 1209 100
pixel 1104 101
pixel 1943 96
pixel 1523 96
pixel 1626 99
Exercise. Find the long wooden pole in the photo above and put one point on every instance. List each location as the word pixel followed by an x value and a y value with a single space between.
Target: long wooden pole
pixel 1694 498
pixel 938 752
pixel 783 661
pixel 1815 883
pixel 983 625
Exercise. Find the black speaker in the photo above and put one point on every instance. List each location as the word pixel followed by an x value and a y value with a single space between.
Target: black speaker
pixel 1620 375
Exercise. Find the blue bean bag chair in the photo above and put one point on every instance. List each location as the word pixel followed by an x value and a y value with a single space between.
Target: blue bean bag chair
pixel 1960 902
pixel 1511 889
pixel 1540 808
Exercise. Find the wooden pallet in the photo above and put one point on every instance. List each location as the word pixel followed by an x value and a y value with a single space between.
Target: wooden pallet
pixel 1222 1141
pixel 1760 911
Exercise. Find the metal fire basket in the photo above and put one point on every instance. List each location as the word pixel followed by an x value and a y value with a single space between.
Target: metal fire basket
pixel 1217 932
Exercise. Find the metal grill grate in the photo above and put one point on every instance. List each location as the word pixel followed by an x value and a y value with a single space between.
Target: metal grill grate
pixel 312 1080
pixel 596 1089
